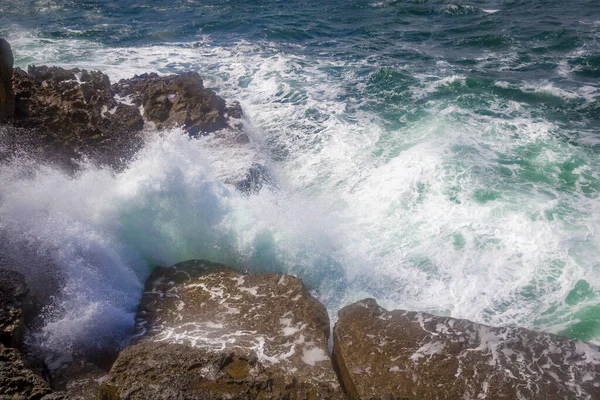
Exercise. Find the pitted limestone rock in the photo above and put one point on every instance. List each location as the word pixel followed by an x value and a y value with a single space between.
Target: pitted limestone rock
pixel 206 331
pixel 178 100
pixel 409 355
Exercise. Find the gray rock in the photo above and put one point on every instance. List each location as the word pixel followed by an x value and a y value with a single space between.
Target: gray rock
pixel 79 380
pixel 409 355
pixel 17 378
pixel 205 331
pixel 256 177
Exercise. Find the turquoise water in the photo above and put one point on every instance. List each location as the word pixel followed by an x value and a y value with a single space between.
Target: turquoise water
pixel 436 156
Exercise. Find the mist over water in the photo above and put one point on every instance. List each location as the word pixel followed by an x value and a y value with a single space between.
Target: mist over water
pixel 438 157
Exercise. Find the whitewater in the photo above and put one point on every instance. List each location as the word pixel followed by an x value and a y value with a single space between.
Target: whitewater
pixel 429 189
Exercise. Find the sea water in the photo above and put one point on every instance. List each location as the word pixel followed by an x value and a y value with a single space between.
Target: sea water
pixel 437 156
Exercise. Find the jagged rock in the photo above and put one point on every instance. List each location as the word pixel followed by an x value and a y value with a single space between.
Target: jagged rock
pixel 7 97
pixel 234 110
pixel 204 331
pixel 409 355
pixel 178 100
pixel 74 113
pixel 256 177
pixel 18 382
pixel 79 380
pixel 60 115
pixel 13 296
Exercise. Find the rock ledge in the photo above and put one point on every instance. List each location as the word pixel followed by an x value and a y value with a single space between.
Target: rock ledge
pixel 411 355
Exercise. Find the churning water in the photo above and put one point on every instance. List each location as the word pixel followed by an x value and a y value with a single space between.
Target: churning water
pixel 438 157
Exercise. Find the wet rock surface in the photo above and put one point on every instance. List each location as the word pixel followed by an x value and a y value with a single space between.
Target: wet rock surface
pixel 61 114
pixel 408 355
pixel 7 97
pixel 205 331
pixel 255 179
pixel 13 299
pixel 73 112
pixel 178 100
pixel 17 381
pixel 78 381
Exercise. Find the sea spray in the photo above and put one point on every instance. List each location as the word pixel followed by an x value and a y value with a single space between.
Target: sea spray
pixel 437 161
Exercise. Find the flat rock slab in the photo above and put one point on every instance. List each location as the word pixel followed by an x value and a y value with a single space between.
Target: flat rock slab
pixel 409 355
pixel 205 331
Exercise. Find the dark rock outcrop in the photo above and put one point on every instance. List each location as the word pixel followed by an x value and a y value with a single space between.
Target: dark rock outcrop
pixel 204 331
pixel 78 381
pixel 256 177
pixel 178 100
pixel 74 113
pixel 17 381
pixel 7 97
pixel 13 299
pixel 59 115
pixel 409 355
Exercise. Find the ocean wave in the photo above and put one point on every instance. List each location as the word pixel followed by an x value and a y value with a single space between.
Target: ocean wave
pixel 428 188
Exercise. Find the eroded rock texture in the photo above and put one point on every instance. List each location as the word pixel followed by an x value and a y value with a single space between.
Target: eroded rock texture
pixel 7 97
pixel 61 114
pixel 13 296
pixel 205 331
pixel 408 355
pixel 178 100
pixel 73 112
pixel 17 381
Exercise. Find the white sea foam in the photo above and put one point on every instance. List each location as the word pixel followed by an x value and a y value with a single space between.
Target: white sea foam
pixel 420 218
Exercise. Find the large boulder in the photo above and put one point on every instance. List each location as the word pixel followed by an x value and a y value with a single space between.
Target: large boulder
pixel 7 97
pixel 410 355
pixel 178 100
pixel 205 331
pixel 74 113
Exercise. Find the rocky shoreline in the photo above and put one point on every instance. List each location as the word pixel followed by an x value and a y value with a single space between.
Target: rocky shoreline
pixel 206 331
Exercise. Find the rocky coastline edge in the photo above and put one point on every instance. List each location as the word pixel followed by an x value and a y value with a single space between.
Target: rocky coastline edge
pixel 206 331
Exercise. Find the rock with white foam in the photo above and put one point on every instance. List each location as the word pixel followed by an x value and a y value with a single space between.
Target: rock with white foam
pixel 205 331
pixel 409 355
pixel 179 100
pixel 17 381
pixel 73 112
